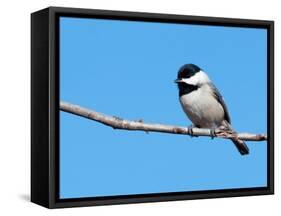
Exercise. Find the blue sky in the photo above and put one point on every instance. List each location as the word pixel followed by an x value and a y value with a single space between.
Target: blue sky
pixel 126 69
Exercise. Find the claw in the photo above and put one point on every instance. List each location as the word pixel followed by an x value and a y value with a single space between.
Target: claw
pixel 213 133
pixel 190 130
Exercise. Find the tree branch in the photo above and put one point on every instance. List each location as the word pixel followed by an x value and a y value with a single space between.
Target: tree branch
pixel 119 123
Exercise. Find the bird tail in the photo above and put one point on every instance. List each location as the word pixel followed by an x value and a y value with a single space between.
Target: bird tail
pixel 241 146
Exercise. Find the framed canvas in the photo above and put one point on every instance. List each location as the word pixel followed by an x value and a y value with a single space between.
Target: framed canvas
pixel 138 107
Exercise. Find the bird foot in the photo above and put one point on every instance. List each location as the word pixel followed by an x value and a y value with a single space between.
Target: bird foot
pixel 212 133
pixel 190 131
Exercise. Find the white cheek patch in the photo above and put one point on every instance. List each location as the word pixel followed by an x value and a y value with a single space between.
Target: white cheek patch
pixel 197 79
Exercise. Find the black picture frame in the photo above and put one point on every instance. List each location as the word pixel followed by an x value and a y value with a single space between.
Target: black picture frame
pixel 45 106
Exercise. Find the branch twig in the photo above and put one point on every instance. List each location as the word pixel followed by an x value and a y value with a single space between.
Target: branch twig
pixel 119 123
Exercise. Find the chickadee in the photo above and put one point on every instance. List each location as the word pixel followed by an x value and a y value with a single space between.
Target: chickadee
pixel 202 102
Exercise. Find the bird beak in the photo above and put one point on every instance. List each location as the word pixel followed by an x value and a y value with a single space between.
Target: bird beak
pixel 178 81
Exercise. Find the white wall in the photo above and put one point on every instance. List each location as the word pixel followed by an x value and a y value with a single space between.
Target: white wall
pixel 15 106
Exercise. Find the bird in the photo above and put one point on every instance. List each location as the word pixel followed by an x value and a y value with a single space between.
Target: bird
pixel 203 104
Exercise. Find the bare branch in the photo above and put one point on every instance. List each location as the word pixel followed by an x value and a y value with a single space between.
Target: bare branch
pixel 119 123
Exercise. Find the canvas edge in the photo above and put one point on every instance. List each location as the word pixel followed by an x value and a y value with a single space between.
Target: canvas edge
pixel 39 108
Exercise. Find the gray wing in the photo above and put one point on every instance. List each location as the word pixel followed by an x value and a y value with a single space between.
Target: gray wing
pixel 219 98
